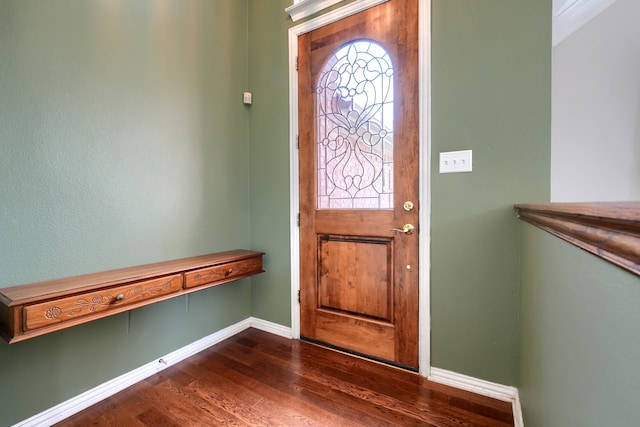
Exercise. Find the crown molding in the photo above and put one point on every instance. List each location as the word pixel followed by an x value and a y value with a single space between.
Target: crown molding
pixel 574 14
pixel 304 8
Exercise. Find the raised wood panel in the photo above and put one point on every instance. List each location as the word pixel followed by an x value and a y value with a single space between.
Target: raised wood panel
pixel 31 310
pixel 356 275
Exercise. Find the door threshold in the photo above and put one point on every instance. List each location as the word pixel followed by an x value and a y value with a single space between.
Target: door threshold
pixel 359 355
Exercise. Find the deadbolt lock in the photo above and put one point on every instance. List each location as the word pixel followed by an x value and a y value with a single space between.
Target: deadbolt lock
pixel 408 205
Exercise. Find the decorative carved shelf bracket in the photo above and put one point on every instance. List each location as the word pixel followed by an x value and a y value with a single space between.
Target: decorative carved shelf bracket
pixel 608 230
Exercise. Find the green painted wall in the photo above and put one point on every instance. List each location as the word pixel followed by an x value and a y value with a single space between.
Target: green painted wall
pixel 491 67
pixel 123 141
pixel 580 346
pixel 269 157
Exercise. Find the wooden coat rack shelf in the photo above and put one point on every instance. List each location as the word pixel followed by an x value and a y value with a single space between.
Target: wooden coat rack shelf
pixel 28 311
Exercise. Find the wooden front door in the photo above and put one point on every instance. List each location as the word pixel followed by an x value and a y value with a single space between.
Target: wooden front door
pixel 359 160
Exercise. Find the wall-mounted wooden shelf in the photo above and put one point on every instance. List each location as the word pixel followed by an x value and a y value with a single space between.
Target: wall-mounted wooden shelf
pixel 35 309
pixel 608 230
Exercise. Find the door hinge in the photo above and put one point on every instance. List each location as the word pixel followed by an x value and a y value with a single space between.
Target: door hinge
pixel 296 63
pixel 298 296
pixel 298 221
pixel 298 141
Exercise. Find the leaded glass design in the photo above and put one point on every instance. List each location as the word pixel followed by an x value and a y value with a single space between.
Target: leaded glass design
pixel 354 137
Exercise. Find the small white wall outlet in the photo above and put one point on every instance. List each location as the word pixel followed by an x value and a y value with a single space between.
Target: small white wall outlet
pixel 456 161
pixel 247 98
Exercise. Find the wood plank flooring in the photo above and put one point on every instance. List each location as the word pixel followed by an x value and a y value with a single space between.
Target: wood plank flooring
pixel 259 379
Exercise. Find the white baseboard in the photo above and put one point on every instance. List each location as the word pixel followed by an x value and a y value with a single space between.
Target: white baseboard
pixel 273 328
pixel 518 420
pixel 481 387
pixel 111 387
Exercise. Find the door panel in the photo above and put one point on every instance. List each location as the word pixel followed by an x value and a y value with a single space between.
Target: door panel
pixel 358 142
pixel 356 276
pixel 351 332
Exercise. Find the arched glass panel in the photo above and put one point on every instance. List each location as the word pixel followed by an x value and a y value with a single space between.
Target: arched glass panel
pixel 354 132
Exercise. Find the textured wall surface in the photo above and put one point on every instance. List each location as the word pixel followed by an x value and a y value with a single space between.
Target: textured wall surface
pixel 491 93
pixel 123 141
pixel 580 346
pixel 269 159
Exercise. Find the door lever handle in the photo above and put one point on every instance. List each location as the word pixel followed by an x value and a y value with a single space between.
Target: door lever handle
pixel 406 229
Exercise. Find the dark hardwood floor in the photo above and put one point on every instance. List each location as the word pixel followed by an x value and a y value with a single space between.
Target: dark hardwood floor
pixel 259 379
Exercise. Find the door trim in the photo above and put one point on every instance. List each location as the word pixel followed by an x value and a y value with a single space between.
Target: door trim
pixel 424 32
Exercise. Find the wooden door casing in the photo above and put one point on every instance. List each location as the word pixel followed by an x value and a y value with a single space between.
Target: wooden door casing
pixel 359 279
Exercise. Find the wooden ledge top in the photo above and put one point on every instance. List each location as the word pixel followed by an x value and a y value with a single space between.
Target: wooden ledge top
pixel 610 230
pixel 625 211
pixel 24 294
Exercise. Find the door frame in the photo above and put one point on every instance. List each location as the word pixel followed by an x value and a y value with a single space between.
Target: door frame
pixel 424 32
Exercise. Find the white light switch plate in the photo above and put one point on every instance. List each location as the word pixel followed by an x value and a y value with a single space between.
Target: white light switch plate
pixel 456 161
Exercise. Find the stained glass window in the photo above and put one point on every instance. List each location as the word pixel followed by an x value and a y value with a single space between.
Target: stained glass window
pixel 354 136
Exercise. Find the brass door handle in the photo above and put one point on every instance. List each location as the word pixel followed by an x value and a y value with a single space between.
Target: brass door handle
pixel 406 229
